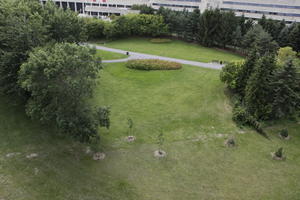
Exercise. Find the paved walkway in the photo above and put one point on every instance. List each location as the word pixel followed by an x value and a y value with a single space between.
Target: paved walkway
pixel 135 55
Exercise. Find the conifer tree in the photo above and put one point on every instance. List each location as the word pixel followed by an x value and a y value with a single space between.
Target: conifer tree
pixel 192 25
pixel 287 91
pixel 294 37
pixel 259 93
pixel 246 71
pixel 283 37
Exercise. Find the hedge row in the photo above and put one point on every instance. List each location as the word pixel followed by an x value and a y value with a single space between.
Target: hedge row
pixel 152 64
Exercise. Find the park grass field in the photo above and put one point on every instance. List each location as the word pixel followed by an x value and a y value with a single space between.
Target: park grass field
pixel 174 49
pixel 106 55
pixel 189 106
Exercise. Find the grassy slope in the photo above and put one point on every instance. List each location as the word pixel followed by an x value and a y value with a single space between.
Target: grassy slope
pixel 106 55
pixel 186 104
pixel 176 49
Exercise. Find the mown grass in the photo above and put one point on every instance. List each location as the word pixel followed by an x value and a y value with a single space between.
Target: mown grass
pixel 107 55
pixel 187 104
pixel 174 49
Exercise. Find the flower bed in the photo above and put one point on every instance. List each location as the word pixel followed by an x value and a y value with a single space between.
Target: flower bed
pixel 160 40
pixel 152 64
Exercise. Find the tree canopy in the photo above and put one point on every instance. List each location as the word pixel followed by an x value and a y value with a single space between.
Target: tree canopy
pixel 60 79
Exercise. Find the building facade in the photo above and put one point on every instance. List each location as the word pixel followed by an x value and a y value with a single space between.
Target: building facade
pixel 289 10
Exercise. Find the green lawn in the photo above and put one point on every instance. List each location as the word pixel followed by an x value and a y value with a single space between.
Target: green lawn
pixel 106 55
pixel 175 49
pixel 190 107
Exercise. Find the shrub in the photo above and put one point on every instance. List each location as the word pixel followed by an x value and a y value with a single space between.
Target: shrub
pixel 152 64
pixel 242 117
pixel 230 74
pixel 103 116
pixel 279 153
pixel 94 28
pixel 160 40
pixel 230 142
pixel 284 133
pixel 130 126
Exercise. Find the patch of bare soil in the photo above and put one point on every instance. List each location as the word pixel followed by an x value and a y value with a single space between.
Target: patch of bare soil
pixel 9 155
pixel 99 156
pixel 32 155
pixel 160 153
pixel 130 138
pixel 276 157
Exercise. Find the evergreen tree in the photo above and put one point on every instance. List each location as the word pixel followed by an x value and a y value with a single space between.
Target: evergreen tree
pixel 188 32
pixel 248 25
pixel 280 27
pixel 242 24
pixel 273 27
pixel 294 37
pixel 259 38
pixel 237 37
pixel 283 37
pixel 192 26
pixel 286 85
pixel 228 26
pixel 259 93
pixel 262 21
pixel 210 22
pixel 246 72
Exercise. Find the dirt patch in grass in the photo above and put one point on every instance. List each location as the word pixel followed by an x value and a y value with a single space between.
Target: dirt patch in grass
pixel 130 138
pixel 160 153
pixel 99 156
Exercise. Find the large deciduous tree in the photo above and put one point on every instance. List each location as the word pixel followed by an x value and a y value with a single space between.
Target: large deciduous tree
pixel 63 25
pixel 60 79
pixel 21 29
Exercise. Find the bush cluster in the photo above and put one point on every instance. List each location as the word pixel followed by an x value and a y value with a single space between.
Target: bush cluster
pixel 152 64
pixel 160 40
pixel 242 117
pixel 126 26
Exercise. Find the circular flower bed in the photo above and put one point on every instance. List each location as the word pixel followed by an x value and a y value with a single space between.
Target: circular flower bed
pixel 152 64
pixel 160 40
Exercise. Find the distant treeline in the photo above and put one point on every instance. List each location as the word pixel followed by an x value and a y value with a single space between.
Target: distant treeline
pixel 212 28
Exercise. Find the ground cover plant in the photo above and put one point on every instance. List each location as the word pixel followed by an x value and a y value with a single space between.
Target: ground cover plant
pixel 152 64
pixel 189 106
pixel 174 49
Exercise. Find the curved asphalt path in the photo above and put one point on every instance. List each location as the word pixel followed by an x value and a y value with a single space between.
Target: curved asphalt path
pixel 135 55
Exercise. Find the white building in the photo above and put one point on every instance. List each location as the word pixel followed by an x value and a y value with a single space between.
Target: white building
pixel 288 10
